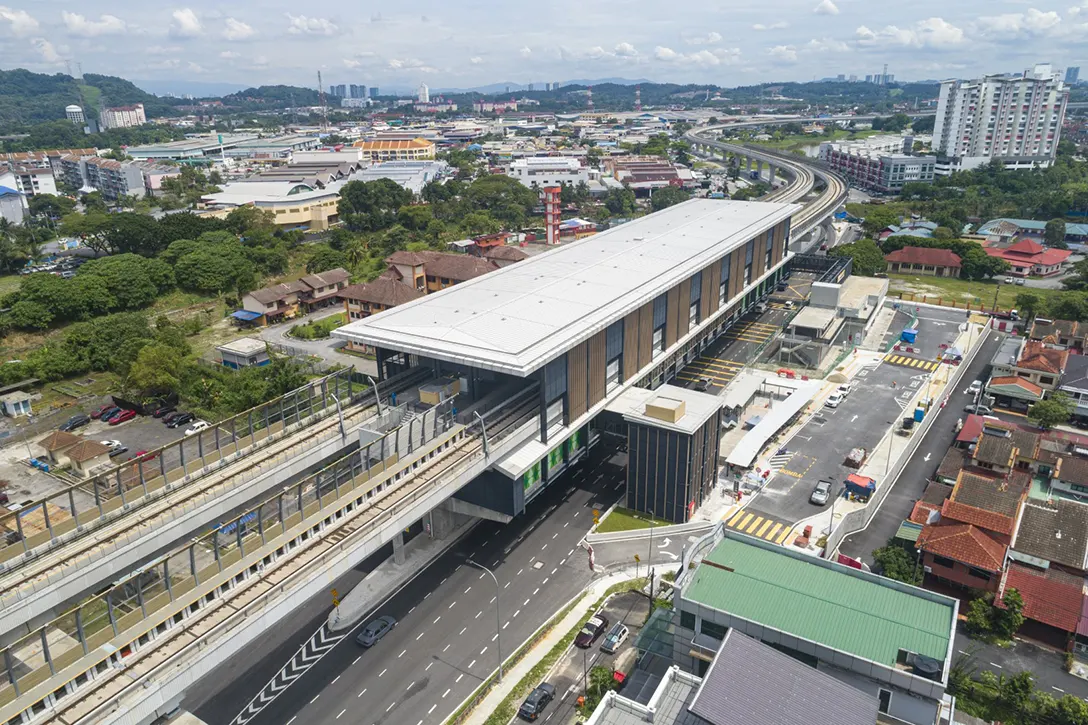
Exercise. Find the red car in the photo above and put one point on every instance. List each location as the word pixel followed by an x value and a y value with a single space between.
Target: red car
pixel 105 408
pixel 123 416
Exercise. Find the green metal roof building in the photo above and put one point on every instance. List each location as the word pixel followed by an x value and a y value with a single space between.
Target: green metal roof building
pixel 866 630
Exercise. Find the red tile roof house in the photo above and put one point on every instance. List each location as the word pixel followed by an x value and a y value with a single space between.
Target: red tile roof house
pixel 1030 258
pixel 966 545
pixel 924 260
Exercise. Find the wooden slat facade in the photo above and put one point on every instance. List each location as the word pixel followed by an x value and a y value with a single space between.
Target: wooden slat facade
pixel 709 301
pixel 759 256
pixel 736 275
pixel 596 368
pixel 630 345
pixel 577 386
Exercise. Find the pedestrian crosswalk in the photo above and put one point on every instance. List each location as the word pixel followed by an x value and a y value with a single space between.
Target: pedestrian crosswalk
pixel 720 372
pixel 779 460
pixel 762 527
pixel 906 361
pixel 750 331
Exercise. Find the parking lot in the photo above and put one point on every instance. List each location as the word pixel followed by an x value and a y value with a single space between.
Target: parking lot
pixel 819 449
pixel 630 608
pixel 142 433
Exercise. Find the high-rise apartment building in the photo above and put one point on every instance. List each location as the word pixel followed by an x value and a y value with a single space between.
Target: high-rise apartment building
pixel 1016 119
pixel 1072 75
pixel 122 116
pixel 423 95
pixel 374 92
pixel 355 91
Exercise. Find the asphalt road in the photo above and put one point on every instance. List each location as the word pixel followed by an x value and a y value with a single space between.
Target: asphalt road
pixel 444 644
pixel 922 465
pixel 1047 665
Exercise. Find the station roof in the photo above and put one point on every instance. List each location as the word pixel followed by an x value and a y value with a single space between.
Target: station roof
pixel 517 319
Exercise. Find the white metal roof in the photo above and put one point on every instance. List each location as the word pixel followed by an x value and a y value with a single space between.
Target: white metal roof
pixel 517 319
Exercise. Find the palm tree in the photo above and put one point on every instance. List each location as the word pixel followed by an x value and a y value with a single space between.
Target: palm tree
pixel 354 253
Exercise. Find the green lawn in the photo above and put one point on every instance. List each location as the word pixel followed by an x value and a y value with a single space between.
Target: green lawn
pixel 797 142
pixel 9 283
pixel 945 290
pixel 628 520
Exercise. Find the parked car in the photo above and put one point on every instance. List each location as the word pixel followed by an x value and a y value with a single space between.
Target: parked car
pixel 376 630
pixel 979 409
pixel 592 631
pixel 169 417
pixel 761 307
pixel 180 420
pixel 109 413
pixel 112 444
pixel 196 427
pixel 76 421
pixel 1010 280
pixel 143 456
pixel 834 400
pixel 974 387
pixel 616 636
pixel 114 452
pixel 1020 282
pixel 790 305
pixel 845 389
pixel 821 494
pixel 783 286
pixel 123 417
pixel 162 411
pixel 537 700
pixel 702 385
pixel 96 414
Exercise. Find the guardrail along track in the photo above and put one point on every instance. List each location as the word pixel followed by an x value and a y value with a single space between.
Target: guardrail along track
pixel 68 660
pixel 159 501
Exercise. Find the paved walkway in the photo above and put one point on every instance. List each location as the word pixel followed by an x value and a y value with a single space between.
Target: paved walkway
pixel 513 676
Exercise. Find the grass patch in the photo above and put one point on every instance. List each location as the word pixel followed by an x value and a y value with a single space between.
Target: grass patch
pixel 627 520
pixel 9 283
pixel 899 208
pixel 963 292
pixel 798 142
pixel 511 702
pixel 178 300
pixel 319 329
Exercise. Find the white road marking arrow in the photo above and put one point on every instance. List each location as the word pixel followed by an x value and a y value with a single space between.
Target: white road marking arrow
pixel 664 543
pixel 853 419
pixel 926 459
pixel 670 554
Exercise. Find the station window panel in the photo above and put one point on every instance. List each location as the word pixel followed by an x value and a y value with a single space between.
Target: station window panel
pixel 693 315
pixel 696 286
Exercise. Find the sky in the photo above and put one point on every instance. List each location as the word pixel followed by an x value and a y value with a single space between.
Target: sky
pixel 467 43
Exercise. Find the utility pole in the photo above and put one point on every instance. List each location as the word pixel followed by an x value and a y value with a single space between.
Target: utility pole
pixel 324 106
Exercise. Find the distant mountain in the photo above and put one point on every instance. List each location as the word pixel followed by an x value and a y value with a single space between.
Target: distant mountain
pixel 274 96
pixel 27 98
pixel 493 88
pixel 196 89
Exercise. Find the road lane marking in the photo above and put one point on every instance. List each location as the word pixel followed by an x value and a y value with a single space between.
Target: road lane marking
pixel 391 705
pixel 357 659
pixel 482 574
pixel 419 636
pixel 292 720
pixel 783 535
pixel 445 648
pixel 451 605
pixel 744 523
pixel 544 582
pixel 763 528
pixel 334 681
pixel 341 713
pixel 570 552
pixel 429 666
pixel 426 595
pixel 361 693
pixel 482 651
pixel 519 572
pixel 772 532
pixel 733 520
pixel 436 619
pixel 553 571
pixel 506 625
pixel 555 535
pixel 432 708
pixel 1052 687
pixel 997 665
pixel 468 590
pixel 462 631
pixel 315 698
pixel 411 610
pixel 516 613
pixel 536 591
pixel 751 529
pixel 562 562
pixel 401 654
pixel 504 586
pixel 544 547
pixel 494 636
pixel 470 664
pixel 527 602
pixel 444 695
pixel 478 614
pixel 382 673
pixel 492 600
pixel 410 686
pixel 459 678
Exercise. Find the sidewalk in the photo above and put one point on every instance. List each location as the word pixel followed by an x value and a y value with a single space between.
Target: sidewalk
pixel 512 677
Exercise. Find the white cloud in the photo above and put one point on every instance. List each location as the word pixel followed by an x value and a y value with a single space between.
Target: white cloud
pixel 412 64
pixel 596 53
pixel 1078 9
pixel 475 60
pixel 21 22
pixel 772 26
pixel 525 51
pixel 708 39
pixel 46 50
pixel 302 25
pixel 186 24
pixel 87 28
pixel 229 55
pixel 195 67
pixel 1013 25
pixel 783 53
pixel 625 50
pixel 703 58
pixel 826 45
pixel 826 7
pixel 929 33
pixel 237 30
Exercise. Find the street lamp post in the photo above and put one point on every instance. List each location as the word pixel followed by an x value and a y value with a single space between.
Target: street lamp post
pixel 498 616
pixel 377 397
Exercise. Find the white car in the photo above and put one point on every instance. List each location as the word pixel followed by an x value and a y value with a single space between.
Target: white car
pixel 113 445
pixel 198 426
pixel 974 387
pixel 844 389
pixel 1010 280
pixel 834 400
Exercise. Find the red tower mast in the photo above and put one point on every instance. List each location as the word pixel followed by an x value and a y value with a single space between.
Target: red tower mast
pixel 551 213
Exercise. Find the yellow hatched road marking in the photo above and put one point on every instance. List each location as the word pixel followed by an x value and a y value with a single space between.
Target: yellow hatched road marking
pixel 763 528
pixel 749 338
pixel 772 532
pixel 757 522
pixel 715 363
pixel 783 535
pixel 704 374
pixel 744 523
pixel 735 517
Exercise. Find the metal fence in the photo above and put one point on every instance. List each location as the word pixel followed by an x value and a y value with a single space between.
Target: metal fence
pixel 169 589
pixel 89 502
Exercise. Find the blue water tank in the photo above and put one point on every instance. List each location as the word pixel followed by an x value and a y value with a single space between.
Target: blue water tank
pixel 919 413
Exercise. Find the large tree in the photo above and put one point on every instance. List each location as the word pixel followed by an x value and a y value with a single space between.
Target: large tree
pixel 668 196
pixel 868 259
pixel 1053 411
pixel 505 198
pixel 1054 234
pixel 370 206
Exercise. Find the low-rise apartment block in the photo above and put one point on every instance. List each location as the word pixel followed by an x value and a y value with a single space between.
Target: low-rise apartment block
pixel 544 171
pixel 122 117
pixel 415 149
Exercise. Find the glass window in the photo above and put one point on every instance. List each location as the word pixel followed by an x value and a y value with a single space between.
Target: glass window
pixel 659 342
pixel 710 629
pixel 693 315
pixel 612 375
pixel 614 339
pixel 770 248
pixel 555 380
pixel 749 250
pixel 696 286
pixel 660 308
pixel 942 561
pixel 687 620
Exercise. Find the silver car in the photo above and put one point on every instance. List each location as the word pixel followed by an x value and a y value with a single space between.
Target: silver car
pixel 376 630
pixel 821 494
